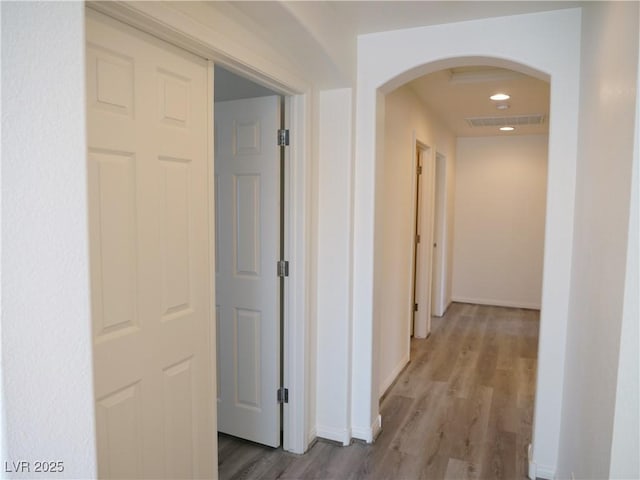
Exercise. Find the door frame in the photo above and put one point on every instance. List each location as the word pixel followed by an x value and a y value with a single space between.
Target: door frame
pixel 171 26
pixel 423 271
pixel 439 302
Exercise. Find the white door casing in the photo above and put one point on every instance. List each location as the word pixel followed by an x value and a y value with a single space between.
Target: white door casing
pixel 247 185
pixel 438 290
pixel 148 166
pixel 424 250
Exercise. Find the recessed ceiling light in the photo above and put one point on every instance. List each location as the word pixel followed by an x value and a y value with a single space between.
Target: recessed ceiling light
pixel 507 129
pixel 500 96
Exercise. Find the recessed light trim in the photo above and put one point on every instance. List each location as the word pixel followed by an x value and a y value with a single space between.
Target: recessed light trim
pixel 507 129
pixel 499 97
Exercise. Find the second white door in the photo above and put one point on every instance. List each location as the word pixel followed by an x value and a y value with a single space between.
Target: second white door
pixel 247 184
pixel 424 248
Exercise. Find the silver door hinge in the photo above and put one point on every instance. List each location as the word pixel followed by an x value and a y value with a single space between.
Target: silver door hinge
pixel 283 395
pixel 283 268
pixel 283 137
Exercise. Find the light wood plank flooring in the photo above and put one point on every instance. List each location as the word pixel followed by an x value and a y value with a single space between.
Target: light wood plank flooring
pixel 461 409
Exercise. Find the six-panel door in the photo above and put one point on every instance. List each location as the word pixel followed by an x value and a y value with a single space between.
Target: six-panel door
pixel 150 266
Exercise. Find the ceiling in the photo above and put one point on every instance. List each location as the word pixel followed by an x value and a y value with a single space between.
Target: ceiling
pixel 451 101
pixel 229 86
pixel 379 16
pixel 457 94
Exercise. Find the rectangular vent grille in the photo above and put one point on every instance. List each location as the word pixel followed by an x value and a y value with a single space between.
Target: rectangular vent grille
pixel 513 120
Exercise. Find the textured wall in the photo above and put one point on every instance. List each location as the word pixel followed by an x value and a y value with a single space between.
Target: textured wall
pixel 47 373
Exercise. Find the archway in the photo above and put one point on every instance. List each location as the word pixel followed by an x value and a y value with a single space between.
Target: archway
pixel 387 60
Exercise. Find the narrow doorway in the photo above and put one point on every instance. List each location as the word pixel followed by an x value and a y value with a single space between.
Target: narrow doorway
pixel 423 241
pixel 249 224
pixel 439 270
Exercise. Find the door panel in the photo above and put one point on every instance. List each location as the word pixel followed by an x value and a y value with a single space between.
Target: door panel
pixel 247 233
pixel 148 206
pixel 424 249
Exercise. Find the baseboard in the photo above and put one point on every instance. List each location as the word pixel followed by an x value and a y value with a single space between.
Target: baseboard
pixel 368 434
pixel 546 472
pixel 539 471
pixel 340 435
pixel 311 438
pixel 532 466
pixel 497 303
pixel 376 428
pixel 393 375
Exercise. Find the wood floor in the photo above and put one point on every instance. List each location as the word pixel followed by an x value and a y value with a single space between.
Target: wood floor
pixel 462 409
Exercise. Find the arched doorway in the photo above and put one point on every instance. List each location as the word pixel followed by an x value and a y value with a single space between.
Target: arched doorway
pixel 390 59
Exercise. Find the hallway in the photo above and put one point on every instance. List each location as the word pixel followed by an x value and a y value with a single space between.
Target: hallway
pixel 461 409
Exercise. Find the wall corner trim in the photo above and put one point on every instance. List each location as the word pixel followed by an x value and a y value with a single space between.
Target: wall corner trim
pixel 532 465
pixel 368 434
pixel 535 471
pixel 341 435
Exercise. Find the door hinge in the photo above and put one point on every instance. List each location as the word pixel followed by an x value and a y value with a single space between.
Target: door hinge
pixel 283 268
pixel 283 137
pixel 419 169
pixel 418 238
pixel 415 307
pixel 283 395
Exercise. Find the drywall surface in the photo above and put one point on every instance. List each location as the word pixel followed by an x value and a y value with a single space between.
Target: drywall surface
pixel 407 119
pixel 334 272
pixel 546 45
pixel 500 202
pixel 606 141
pixel 46 355
pixel 625 443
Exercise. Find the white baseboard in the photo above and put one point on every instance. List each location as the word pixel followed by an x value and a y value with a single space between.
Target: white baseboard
pixel 311 439
pixel 368 434
pixel 376 428
pixel 393 375
pixel 341 435
pixel 497 303
pixel 532 466
pixel 545 471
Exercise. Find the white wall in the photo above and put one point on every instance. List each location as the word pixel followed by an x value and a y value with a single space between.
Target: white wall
pixel 546 45
pixel 334 272
pixel 47 370
pixel 500 201
pixel 406 120
pixel 625 443
pixel 606 142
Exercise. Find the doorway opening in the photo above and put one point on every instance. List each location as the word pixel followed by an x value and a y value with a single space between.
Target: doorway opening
pixel 250 198
pixel 497 183
pixel 423 241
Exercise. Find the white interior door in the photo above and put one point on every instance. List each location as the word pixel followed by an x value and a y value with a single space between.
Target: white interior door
pixel 150 264
pixel 424 249
pixel 247 250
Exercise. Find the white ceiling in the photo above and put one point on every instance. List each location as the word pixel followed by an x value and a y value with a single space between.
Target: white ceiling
pixel 288 24
pixel 378 16
pixel 454 95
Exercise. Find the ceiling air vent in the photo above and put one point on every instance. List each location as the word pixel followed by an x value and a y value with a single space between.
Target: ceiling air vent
pixel 512 120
